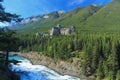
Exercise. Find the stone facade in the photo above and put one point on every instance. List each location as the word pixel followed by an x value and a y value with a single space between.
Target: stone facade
pixel 59 30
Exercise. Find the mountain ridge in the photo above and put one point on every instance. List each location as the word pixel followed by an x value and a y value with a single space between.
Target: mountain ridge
pixel 92 17
pixel 56 18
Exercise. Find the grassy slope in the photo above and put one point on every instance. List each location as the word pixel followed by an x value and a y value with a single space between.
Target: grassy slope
pixel 79 18
pixel 107 18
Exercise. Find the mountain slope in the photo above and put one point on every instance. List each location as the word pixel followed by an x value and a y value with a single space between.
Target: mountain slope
pixel 80 17
pixel 107 17
pixel 42 24
pixel 74 17
pixel 90 18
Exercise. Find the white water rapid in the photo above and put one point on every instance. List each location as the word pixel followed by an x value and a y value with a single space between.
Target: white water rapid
pixel 27 71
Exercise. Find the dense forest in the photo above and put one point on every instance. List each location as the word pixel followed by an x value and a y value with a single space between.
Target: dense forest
pixel 99 51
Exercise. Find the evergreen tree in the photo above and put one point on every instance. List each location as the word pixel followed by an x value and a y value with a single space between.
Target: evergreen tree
pixel 7 37
pixel 8 42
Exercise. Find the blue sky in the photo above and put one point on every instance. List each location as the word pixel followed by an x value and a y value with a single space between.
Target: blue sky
pixel 27 8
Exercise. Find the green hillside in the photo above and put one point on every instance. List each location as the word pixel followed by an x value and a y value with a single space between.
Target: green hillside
pixel 41 25
pixel 80 17
pixel 75 17
pixel 91 18
pixel 107 18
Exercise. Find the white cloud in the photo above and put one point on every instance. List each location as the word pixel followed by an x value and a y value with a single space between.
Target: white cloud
pixel 75 2
pixel 3 24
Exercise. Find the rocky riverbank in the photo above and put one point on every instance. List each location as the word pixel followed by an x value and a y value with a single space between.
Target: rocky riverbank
pixel 72 68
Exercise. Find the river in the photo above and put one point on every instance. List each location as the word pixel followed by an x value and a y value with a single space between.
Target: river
pixel 28 71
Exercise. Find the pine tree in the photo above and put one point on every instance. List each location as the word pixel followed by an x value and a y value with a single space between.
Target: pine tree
pixel 8 42
pixel 7 38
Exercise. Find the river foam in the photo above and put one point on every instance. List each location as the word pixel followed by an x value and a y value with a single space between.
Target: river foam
pixel 27 71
